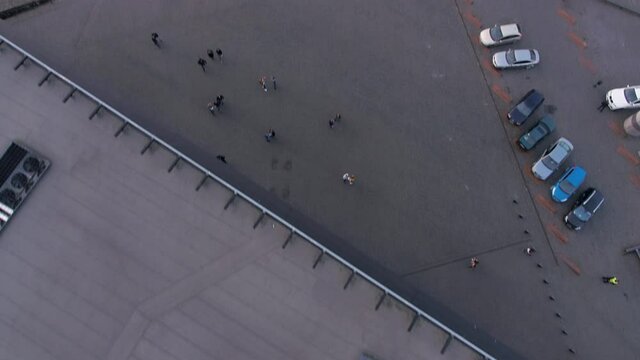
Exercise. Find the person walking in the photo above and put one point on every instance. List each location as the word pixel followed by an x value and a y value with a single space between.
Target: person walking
pixel 529 250
pixel 270 135
pixel 273 81
pixel 263 82
pixel 210 54
pixel 219 52
pixel 222 158
pixel 610 280
pixel 202 62
pixel 603 105
pixel 212 108
pixel 473 263
pixel 348 178
pixel 332 123
pixel 220 99
pixel 155 39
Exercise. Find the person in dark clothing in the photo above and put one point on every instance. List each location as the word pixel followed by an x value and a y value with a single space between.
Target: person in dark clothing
pixel 603 105
pixel 269 135
pixel 202 62
pixel 275 84
pixel 219 52
pixel 210 53
pixel 211 107
pixel 222 158
pixel 155 39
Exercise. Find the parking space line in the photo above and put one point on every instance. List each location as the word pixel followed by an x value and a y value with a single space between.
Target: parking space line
pixel 616 127
pixel 487 65
pixel 586 63
pixel 632 158
pixel 577 39
pixel 502 94
pixel 557 233
pixel 473 19
pixel 542 200
pixel 571 264
pixel 568 17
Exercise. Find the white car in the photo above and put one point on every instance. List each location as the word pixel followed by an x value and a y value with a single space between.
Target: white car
pixel 624 98
pixel 552 158
pixel 500 34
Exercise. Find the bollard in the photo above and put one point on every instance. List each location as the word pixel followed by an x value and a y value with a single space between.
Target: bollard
pixel 124 126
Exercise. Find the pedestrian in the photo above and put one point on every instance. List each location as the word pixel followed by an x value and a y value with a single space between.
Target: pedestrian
pixel 211 106
pixel 263 82
pixel 273 80
pixel 610 280
pixel 154 38
pixel 474 262
pixel 202 62
pixel 332 123
pixel 220 98
pixel 222 158
pixel 603 105
pixel 269 135
pixel 348 179
pixel 529 250
pixel 217 104
pixel 219 52
pixel 338 117
pixel 210 54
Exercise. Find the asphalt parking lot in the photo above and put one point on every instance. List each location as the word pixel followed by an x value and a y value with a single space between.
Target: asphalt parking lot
pixel 423 129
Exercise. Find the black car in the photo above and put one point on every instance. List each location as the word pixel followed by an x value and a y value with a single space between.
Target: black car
pixel 586 205
pixel 544 127
pixel 525 107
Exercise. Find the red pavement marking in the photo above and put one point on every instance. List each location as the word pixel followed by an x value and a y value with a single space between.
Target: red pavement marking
pixel 587 64
pixel 502 94
pixel 487 65
pixel 631 157
pixel 557 233
pixel 616 127
pixel 577 39
pixel 473 19
pixel 568 17
pixel 542 200
pixel 572 265
pixel 635 179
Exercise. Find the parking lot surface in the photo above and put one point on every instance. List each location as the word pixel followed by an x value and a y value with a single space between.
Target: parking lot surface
pixel 439 179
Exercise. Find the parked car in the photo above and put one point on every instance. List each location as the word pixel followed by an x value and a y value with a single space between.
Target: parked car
pixel 624 98
pixel 544 127
pixel 516 59
pixel 587 204
pixel 568 183
pixel 525 107
pixel 500 34
pixel 552 158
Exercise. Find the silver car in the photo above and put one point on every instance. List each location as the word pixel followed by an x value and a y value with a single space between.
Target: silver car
pixel 515 59
pixel 552 158
pixel 500 34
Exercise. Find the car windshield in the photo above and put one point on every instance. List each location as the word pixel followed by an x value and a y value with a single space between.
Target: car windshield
pixel 532 54
pixel 511 56
pixel 495 33
pixel 567 187
pixel 630 95
pixel 582 214
pixel 549 163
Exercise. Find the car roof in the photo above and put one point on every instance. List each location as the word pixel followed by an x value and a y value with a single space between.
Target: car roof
pixel 548 121
pixel 594 200
pixel 561 151
pixel 522 54
pixel 533 96
pixel 510 29
pixel 576 173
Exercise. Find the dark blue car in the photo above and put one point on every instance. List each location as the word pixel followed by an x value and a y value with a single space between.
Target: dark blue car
pixel 525 107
